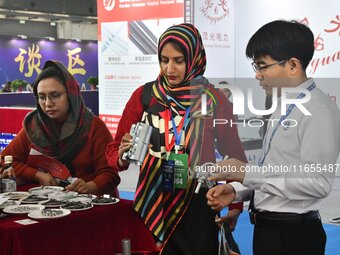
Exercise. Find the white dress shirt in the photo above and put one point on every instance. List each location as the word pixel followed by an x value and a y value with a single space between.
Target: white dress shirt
pixel 294 151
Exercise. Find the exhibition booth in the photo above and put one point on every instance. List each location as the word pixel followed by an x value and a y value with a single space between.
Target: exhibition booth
pixel 124 58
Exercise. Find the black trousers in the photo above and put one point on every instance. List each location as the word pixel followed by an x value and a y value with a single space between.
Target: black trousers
pixel 305 238
pixel 197 232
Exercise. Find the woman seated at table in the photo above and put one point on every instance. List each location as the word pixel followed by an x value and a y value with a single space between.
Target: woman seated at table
pixel 63 128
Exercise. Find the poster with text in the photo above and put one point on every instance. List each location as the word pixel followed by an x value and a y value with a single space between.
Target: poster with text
pixel 215 20
pixel 323 18
pixel 127 49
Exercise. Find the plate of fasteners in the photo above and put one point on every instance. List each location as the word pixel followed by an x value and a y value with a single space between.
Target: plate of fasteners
pixel 52 203
pixel 44 190
pixel 22 209
pixel 77 206
pixel 105 200
pixel 14 195
pixel 49 214
pixel 33 199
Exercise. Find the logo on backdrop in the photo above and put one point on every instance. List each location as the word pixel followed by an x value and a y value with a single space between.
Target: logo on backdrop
pixel 215 10
pixel 109 4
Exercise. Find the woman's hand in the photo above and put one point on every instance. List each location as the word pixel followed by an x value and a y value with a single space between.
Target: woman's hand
pixel 83 187
pixel 124 146
pixel 45 179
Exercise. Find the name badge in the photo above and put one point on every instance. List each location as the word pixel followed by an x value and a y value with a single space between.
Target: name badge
pixel 180 170
pixel 168 175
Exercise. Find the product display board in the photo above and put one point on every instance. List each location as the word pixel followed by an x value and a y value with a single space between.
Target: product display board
pixel 216 22
pixel 128 32
pixel 323 19
pixel 127 49
pixel 226 27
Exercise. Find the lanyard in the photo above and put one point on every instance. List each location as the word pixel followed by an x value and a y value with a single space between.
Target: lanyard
pixel 177 134
pixel 176 139
pixel 289 110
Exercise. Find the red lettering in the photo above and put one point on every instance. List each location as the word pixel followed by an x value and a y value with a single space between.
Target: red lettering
pixel 324 61
pixel 336 56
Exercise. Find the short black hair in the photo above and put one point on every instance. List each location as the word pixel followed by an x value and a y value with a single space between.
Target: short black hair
pixel 282 40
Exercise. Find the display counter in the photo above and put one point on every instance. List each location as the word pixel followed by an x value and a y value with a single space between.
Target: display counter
pixel 99 230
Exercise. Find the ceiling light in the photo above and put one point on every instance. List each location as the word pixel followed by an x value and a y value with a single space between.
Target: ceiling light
pixel 52 23
pixel 50 38
pixel 22 36
pixel 22 21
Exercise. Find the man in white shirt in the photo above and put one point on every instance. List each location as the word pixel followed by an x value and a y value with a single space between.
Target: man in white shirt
pixel 298 162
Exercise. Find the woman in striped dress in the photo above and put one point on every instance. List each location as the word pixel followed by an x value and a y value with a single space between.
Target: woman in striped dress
pixel 182 140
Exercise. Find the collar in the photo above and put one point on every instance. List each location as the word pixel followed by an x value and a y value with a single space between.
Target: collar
pixel 303 85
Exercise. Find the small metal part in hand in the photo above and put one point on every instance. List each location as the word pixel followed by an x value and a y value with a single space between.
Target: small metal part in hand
pixel 203 174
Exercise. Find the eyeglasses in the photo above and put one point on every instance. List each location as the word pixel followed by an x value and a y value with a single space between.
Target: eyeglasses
pixel 54 98
pixel 257 68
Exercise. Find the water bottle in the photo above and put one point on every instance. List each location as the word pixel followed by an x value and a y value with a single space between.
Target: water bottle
pixel 8 176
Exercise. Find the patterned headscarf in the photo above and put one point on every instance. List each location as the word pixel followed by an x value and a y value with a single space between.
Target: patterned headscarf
pixel 161 211
pixel 178 96
pixel 45 135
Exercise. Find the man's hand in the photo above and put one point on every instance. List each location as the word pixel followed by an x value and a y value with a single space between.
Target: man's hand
pixel 220 196
pixel 228 170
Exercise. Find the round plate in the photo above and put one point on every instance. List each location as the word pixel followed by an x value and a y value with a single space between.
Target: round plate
pixel 22 209
pixel 44 190
pixel 8 203
pixel 38 215
pixel 108 203
pixel 62 195
pixel 49 204
pixel 14 195
pixel 33 199
pixel 77 209
pixel 83 198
